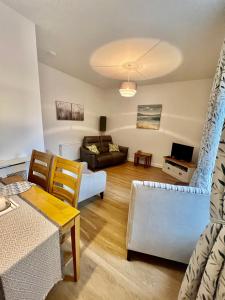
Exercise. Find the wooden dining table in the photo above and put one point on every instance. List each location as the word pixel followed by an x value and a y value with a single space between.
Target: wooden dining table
pixel 64 216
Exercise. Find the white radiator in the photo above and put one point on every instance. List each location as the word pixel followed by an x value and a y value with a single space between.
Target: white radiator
pixel 8 167
pixel 70 150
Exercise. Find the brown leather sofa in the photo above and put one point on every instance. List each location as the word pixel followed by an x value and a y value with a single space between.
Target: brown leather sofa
pixel 105 158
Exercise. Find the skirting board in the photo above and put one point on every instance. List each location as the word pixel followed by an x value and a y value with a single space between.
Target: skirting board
pixel 152 164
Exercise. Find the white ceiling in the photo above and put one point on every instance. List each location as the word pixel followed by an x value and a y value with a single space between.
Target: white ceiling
pixel 136 59
pixel 75 29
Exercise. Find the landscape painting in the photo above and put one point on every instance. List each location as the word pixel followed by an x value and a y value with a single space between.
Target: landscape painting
pixel 148 116
pixel 69 111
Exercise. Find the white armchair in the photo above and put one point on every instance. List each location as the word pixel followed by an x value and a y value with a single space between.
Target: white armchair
pixel 166 220
pixel 92 183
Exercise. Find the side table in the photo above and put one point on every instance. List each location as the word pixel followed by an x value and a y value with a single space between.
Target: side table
pixel 147 157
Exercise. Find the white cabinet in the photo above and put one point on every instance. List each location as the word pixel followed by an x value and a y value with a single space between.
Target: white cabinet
pixel 181 170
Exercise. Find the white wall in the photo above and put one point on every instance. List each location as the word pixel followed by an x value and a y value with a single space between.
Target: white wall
pixel 20 107
pixel 184 106
pixel 56 85
pixel 183 114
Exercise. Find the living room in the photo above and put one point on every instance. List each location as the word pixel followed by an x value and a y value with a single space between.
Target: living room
pixel 129 96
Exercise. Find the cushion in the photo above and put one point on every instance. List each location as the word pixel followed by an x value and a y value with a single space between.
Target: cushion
pixel 90 140
pixel 105 140
pixel 114 148
pixel 93 148
pixel 104 160
pixel 105 148
pixel 118 156
pixel 104 157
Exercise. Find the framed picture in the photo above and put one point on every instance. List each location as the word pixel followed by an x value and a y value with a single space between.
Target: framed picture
pixel 148 116
pixel 63 110
pixel 77 112
pixel 69 111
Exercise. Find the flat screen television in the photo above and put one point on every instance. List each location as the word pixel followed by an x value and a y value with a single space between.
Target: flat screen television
pixel 182 152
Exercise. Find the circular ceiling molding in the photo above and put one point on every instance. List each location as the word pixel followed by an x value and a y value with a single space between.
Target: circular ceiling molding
pixel 137 58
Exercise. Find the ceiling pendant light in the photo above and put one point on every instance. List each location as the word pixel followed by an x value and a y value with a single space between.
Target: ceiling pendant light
pixel 128 88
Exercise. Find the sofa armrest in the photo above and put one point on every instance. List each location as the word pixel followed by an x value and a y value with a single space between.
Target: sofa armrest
pixel 151 185
pixel 170 219
pixel 123 149
pixel 92 184
pixel 89 157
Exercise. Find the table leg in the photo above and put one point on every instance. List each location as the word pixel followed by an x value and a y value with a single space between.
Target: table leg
pixel 146 162
pixel 75 241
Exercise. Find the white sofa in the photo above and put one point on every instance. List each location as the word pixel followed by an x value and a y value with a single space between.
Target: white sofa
pixel 92 183
pixel 166 220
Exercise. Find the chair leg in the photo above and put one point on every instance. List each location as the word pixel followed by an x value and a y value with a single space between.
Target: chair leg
pixel 75 241
pixel 129 255
pixel 102 195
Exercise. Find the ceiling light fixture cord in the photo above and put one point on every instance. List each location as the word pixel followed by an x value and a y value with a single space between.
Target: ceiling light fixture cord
pixel 149 50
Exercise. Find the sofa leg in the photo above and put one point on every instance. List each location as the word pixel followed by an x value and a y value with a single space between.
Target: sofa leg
pixel 129 255
pixel 102 195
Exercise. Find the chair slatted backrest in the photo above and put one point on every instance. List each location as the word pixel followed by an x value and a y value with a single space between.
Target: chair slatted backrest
pixel 40 168
pixel 65 180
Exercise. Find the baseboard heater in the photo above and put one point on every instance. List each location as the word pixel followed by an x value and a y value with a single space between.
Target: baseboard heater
pixel 8 167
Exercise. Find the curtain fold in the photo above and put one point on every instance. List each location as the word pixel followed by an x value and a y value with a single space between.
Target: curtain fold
pixel 211 133
pixel 205 275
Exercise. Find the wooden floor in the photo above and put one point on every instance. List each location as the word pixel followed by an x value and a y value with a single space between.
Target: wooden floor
pixel 105 272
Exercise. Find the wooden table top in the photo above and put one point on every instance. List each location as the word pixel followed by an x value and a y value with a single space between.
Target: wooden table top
pixel 181 162
pixel 143 153
pixel 53 208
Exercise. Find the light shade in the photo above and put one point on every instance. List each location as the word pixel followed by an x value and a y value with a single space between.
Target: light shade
pixel 128 89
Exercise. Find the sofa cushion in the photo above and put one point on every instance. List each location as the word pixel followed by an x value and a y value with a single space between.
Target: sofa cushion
pixel 113 148
pixel 90 140
pixel 118 157
pixel 104 159
pixel 93 148
pixel 105 140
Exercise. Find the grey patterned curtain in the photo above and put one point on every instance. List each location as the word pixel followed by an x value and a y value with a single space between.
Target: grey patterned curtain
pixel 213 126
pixel 205 275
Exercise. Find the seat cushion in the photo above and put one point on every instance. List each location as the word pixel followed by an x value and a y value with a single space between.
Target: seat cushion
pixel 104 159
pixel 118 157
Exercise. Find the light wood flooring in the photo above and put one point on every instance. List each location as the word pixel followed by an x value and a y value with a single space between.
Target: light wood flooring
pixel 105 272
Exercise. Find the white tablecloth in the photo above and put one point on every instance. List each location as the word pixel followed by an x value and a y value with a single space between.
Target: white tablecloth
pixel 29 254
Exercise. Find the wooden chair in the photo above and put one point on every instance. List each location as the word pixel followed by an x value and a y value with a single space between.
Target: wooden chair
pixel 40 168
pixel 65 185
pixel 65 180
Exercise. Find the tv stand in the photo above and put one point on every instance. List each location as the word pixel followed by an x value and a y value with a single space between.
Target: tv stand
pixel 179 169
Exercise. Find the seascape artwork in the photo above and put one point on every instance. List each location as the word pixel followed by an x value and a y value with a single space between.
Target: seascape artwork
pixel 148 116
pixel 69 111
